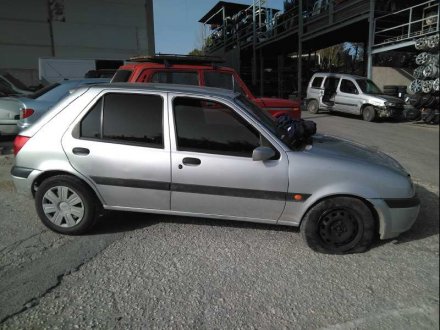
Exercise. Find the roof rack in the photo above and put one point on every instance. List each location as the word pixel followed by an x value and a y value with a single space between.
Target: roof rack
pixel 169 59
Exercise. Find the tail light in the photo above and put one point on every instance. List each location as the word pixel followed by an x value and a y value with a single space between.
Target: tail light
pixel 24 113
pixel 19 143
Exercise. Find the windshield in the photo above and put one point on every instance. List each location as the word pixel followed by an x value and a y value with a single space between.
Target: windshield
pixel 15 81
pixel 42 91
pixel 56 93
pixel 368 87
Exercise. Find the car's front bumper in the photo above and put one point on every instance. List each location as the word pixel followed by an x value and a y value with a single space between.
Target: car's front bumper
pixel 389 112
pixel 396 215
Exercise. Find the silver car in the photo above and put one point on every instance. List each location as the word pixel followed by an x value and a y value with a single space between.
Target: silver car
pixel 351 94
pixel 210 153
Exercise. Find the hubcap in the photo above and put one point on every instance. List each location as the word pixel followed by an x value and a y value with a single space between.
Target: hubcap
pixel 338 227
pixel 63 207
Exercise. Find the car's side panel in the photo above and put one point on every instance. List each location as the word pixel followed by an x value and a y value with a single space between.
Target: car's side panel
pixel 227 185
pixel 125 175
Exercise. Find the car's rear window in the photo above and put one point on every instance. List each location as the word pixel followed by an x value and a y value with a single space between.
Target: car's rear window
pixel 175 77
pixel 121 76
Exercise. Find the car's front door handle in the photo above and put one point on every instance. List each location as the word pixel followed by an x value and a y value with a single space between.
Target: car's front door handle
pixel 191 161
pixel 81 151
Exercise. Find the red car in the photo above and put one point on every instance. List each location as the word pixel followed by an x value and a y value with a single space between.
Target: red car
pixel 202 71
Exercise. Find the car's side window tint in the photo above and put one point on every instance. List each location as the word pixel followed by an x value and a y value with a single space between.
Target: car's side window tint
pixel 348 87
pixel 176 77
pixel 211 127
pixel 316 83
pixel 91 123
pixel 126 118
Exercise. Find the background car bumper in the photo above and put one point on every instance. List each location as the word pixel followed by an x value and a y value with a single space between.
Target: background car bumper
pixel 8 129
pixel 396 215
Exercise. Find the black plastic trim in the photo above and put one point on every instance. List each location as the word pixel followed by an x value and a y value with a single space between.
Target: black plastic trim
pixel 21 172
pixel 199 189
pixel 401 203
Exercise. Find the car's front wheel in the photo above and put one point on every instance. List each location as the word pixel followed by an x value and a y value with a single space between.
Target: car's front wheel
pixel 65 205
pixel 339 225
pixel 369 114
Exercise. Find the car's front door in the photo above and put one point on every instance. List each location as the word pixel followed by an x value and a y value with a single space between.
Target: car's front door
pixel 212 168
pixel 122 145
pixel 347 97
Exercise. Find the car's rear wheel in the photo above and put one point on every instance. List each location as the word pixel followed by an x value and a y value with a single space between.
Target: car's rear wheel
pixel 313 106
pixel 65 205
pixel 369 114
pixel 339 225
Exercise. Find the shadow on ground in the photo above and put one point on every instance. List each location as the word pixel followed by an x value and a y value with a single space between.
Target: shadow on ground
pixel 426 225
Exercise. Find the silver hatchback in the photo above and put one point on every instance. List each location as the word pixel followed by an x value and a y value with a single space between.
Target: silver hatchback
pixel 205 152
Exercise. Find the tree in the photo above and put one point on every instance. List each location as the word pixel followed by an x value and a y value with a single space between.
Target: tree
pixel 196 52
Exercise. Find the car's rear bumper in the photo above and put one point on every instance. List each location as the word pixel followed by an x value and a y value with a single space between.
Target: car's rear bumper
pixel 396 215
pixel 23 178
pixel 8 129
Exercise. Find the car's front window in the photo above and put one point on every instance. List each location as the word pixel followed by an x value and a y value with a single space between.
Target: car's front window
pixel 261 115
pixel 368 87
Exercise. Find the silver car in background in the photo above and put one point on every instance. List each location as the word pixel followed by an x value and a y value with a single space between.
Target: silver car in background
pixel 351 94
pixel 205 152
pixel 17 112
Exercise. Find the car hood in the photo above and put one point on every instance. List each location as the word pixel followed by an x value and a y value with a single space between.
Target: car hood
pixel 268 102
pixel 389 98
pixel 329 146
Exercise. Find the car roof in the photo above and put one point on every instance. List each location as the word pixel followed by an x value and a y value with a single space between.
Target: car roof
pixel 186 66
pixel 171 88
pixel 342 75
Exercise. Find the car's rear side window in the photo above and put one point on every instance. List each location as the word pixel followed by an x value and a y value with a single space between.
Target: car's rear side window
pixel 126 118
pixel 121 76
pixel 211 127
pixel 219 79
pixel 175 77
pixel 317 82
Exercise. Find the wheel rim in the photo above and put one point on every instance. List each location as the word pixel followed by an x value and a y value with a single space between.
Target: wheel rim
pixel 63 206
pixel 367 114
pixel 312 107
pixel 339 227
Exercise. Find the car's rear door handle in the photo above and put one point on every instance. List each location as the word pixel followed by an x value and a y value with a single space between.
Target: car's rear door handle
pixel 191 161
pixel 81 151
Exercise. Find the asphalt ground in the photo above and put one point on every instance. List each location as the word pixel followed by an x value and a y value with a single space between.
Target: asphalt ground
pixel 156 271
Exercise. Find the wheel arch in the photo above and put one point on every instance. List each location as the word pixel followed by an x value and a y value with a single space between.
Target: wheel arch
pixel 370 206
pixel 48 174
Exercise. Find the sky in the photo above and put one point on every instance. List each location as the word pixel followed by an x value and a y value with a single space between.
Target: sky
pixel 176 26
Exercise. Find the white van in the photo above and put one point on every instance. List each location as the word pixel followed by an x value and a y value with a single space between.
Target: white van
pixel 351 94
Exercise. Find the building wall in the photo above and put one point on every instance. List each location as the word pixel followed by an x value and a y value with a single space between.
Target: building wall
pixel 383 76
pixel 105 29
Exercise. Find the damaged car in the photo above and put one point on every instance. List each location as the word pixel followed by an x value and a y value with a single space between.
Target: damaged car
pixel 351 94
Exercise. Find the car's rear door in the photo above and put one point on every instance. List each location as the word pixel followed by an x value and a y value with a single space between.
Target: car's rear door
pixel 121 143
pixel 212 168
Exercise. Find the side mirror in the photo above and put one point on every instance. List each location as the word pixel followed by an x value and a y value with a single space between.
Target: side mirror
pixel 262 153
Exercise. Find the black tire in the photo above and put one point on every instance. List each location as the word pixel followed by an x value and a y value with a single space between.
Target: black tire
pixel 339 225
pixel 368 113
pixel 87 204
pixel 313 106
pixel 412 114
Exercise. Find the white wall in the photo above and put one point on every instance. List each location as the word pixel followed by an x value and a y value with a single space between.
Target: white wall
pixel 105 29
